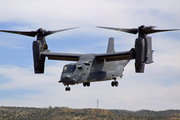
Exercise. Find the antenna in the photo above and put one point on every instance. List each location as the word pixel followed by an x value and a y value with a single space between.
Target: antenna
pixel 97 103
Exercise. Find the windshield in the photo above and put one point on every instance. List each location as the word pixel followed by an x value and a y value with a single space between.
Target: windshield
pixel 72 68
pixel 69 68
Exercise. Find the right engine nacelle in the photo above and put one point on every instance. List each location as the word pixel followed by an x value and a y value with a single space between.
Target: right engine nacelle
pixel 38 62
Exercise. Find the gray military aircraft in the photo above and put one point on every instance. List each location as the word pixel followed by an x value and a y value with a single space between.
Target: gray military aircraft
pixel 93 67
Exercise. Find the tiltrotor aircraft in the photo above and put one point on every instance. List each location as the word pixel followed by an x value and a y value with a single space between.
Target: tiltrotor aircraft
pixel 94 67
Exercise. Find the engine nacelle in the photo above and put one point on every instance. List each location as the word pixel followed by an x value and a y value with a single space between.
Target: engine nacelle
pixel 140 55
pixel 38 61
pixel 149 51
pixel 143 53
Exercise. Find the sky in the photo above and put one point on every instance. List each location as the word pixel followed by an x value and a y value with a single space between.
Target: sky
pixel 156 89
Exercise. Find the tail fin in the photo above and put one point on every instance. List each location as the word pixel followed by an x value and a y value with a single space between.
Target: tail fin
pixel 110 48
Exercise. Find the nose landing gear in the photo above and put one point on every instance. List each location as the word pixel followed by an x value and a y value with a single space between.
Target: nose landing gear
pixel 114 83
pixel 67 88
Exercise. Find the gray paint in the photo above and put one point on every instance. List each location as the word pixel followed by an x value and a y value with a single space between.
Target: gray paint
pixel 93 67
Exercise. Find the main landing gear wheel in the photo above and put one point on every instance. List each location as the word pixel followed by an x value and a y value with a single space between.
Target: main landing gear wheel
pixel 86 84
pixel 114 83
pixel 67 88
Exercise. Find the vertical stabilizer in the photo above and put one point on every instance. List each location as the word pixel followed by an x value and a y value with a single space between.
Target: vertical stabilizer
pixel 110 48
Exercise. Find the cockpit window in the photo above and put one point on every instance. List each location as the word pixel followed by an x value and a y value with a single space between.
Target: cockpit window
pixel 72 68
pixel 79 69
pixel 69 68
pixel 65 70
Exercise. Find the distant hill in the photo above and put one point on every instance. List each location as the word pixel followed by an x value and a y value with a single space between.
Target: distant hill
pixel 64 113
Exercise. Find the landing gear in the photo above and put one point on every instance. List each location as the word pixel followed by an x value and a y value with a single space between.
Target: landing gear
pixel 67 88
pixel 86 84
pixel 114 83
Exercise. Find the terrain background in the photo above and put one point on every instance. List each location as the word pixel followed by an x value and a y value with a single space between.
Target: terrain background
pixel 64 113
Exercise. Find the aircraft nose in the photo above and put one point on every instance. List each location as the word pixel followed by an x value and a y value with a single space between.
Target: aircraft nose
pixel 67 76
pixel 68 79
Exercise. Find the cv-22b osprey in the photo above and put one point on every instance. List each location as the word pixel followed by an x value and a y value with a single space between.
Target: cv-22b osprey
pixel 93 67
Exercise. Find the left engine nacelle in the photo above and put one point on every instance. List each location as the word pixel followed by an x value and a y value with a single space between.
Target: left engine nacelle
pixel 140 55
pixel 143 53
pixel 38 61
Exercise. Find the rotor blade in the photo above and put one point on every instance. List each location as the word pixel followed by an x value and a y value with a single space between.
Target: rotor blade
pixel 149 31
pixel 55 31
pixel 31 33
pixel 133 31
pixel 150 27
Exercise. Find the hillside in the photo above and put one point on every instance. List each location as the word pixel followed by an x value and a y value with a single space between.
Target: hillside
pixel 64 113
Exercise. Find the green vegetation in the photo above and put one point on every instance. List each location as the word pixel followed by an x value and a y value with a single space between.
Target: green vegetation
pixel 64 113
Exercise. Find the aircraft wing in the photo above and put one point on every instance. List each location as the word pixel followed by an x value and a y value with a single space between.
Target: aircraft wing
pixel 127 55
pixel 61 56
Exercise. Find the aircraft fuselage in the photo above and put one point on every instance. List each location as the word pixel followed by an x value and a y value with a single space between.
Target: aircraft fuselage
pixel 92 71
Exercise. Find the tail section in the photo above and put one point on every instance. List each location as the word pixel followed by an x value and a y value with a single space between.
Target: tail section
pixel 110 48
pixel 143 47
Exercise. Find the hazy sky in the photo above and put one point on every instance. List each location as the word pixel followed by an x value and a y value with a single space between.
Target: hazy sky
pixel 157 89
